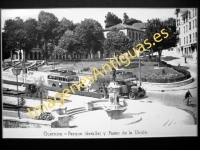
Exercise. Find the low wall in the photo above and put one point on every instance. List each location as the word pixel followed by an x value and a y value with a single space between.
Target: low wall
pixel 168 85
pixel 10 122
pixel 60 121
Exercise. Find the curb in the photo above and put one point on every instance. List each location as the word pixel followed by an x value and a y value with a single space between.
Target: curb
pixel 163 90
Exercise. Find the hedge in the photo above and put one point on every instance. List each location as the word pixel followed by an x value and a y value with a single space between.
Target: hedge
pixel 165 80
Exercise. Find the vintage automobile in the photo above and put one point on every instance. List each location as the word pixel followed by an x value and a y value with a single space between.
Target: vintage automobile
pixel 130 88
pixel 54 79
pixel 126 80
pixel 103 82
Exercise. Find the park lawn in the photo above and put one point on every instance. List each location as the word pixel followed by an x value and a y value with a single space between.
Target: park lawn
pixel 147 68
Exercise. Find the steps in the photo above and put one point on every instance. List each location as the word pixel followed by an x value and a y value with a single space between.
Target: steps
pixel 76 111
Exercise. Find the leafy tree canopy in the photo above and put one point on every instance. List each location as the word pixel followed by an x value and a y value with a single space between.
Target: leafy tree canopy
pixel 90 34
pixel 130 21
pixel 111 20
pixel 118 42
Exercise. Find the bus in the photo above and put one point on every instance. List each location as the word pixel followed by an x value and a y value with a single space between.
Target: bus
pixel 54 79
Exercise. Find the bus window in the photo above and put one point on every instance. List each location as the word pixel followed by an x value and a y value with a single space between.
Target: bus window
pixel 123 83
pixel 52 77
pixel 56 78
pixel 63 79
pixel 49 77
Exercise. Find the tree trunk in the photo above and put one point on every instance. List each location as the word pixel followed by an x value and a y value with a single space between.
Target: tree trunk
pixel 159 54
pixel 24 56
pixel 20 55
pixel 41 102
pixel 11 58
pixel 45 54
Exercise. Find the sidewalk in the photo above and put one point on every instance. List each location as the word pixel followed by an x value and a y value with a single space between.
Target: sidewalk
pixel 151 114
pixel 191 64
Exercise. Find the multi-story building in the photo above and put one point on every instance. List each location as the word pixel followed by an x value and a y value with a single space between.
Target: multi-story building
pixel 135 31
pixel 186 26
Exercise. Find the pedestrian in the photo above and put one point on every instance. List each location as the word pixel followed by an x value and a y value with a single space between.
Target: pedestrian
pixel 185 60
pixel 188 97
pixel 114 74
pixel 60 84
pixel 104 89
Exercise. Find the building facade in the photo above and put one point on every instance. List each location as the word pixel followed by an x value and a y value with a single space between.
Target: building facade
pixel 186 26
pixel 36 54
pixel 134 32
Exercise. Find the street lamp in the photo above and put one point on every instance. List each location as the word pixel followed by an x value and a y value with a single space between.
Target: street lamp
pixel 140 70
pixel 17 71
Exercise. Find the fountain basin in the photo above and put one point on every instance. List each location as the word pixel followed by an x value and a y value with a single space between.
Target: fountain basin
pixel 114 112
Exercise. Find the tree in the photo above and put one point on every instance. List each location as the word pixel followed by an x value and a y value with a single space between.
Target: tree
pixel 65 25
pixel 155 26
pixel 111 20
pixel 68 42
pixel 47 26
pixel 20 35
pixel 130 21
pixel 7 47
pixel 30 26
pixel 118 42
pixel 14 33
pixel 40 89
pixel 89 34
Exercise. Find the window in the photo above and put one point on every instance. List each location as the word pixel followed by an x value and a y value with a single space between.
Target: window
pixel 130 34
pixel 189 15
pixel 184 29
pixel 190 38
pixel 195 22
pixel 196 36
pixel 136 36
pixel 193 37
pixel 189 25
pixel 52 77
pixel 179 31
pixel 179 41
pixel 133 35
pixel 184 40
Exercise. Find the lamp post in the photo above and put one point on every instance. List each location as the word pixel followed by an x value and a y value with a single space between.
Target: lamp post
pixel 17 71
pixel 139 70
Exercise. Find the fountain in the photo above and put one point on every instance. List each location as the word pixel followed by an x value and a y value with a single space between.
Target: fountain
pixel 114 109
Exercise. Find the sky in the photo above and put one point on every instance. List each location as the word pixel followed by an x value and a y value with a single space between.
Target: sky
pixel 79 14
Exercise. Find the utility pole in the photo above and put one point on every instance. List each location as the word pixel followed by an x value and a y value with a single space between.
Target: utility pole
pixel 139 70
pixel 54 54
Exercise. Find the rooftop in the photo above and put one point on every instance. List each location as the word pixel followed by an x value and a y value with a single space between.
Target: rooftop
pixel 140 25
pixel 124 26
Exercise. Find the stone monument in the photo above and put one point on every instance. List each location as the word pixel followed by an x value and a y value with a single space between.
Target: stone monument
pixel 114 109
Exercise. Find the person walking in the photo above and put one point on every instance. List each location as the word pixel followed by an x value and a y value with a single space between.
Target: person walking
pixel 60 84
pixel 114 74
pixel 188 97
